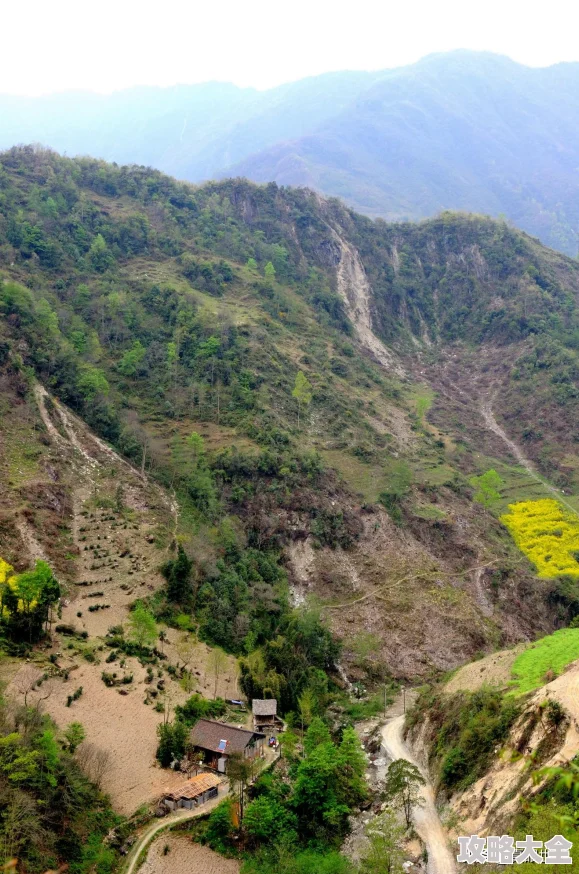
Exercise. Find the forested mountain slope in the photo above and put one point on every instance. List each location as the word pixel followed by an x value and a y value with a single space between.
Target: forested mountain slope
pixel 176 321
pixel 462 130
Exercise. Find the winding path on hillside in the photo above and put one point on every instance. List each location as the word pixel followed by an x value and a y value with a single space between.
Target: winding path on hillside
pixel 426 819
pixel 491 424
pixel 489 421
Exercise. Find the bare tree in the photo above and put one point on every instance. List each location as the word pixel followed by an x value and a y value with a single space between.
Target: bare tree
pixel 167 697
pixel 144 440
pixel 27 682
pixel 142 437
pixel 186 648
pixel 94 761
pixel 217 662
pixel 21 824
pixel 240 772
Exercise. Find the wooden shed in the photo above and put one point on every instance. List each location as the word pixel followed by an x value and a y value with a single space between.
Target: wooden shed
pixel 195 792
pixel 265 716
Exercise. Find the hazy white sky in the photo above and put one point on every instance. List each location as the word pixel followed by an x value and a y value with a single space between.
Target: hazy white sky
pixel 112 44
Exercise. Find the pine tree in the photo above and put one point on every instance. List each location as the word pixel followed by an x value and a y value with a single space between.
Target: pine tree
pixel 403 783
pixel 178 575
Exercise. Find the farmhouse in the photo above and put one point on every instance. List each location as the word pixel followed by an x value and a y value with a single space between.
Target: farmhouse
pixel 265 716
pixel 218 740
pixel 193 793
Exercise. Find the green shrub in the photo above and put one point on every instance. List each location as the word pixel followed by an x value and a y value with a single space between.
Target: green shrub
pixel 465 729
pixel 220 829
pixel 197 707
pixel 172 742
pixel 455 767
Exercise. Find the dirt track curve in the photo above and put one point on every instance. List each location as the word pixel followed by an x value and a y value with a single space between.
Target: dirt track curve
pixel 180 816
pixel 426 819
pixel 491 424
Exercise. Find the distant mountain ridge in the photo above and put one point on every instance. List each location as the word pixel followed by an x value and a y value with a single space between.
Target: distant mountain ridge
pixel 463 130
pixel 192 131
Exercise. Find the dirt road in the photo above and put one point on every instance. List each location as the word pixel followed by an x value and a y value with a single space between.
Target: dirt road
pixel 491 424
pixel 515 450
pixel 426 819
pixel 168 822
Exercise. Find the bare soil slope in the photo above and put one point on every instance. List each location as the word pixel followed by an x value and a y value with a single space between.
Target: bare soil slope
pixel 424 591
pixel 184 857
pixel 119 526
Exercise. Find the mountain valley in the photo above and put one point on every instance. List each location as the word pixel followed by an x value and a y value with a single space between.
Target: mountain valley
pixel 291 434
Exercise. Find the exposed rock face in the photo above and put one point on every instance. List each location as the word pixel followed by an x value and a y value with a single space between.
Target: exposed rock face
pixel 490 805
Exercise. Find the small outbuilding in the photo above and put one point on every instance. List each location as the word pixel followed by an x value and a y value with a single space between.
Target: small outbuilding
pixel 265 716
pixel 195 792
pixel 219 740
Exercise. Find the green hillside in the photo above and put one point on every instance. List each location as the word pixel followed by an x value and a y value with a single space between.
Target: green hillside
pixel 549 656
pixel 159 311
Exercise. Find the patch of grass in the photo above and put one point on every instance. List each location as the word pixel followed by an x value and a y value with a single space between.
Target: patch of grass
pixel 573 501
pixel 23 455
pixel 547 534
pixel 368 480
pixel 421 398
pixel 550 654
pixel 429 512
pixel 216 437
pixel 434 474
pixel 518 484
pixel 368 708
pixel 447 595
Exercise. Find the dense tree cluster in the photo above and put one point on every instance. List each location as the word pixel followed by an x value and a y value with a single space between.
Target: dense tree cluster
pixel 50 813
pixel 295 660
pixel 306 811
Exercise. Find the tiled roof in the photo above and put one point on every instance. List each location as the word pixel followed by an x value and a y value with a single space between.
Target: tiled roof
pixel 195 786
pixel 264 706
pixel 208 734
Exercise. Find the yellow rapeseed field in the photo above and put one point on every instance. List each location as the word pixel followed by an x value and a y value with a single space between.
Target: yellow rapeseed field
pixel 547 534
